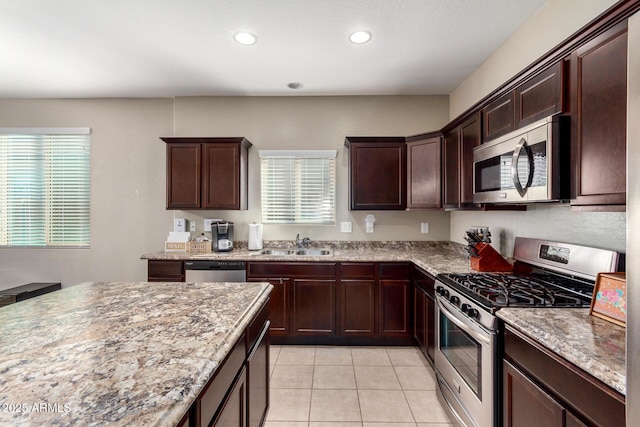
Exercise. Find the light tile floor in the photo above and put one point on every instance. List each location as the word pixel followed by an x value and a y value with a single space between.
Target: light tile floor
pixel 324 386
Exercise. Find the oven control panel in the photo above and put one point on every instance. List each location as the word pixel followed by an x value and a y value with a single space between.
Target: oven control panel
pixel 465 307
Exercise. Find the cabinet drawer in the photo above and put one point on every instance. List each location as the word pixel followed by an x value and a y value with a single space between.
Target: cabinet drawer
pixel 214 393
pixel 167 269
pixel 291 269
pixel 395 270
pixel 358 269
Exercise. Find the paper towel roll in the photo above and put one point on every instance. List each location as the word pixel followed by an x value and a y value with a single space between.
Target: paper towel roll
pixel 255 237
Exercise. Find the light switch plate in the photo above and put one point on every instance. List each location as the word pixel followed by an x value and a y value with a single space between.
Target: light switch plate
pixel 424 227
pixel 192 226
pixel 345 227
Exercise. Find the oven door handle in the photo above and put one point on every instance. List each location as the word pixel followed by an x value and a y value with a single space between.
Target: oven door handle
pixel 515 175
pixel 463 325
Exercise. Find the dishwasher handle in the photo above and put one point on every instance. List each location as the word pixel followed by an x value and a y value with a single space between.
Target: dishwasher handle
pixel 215 265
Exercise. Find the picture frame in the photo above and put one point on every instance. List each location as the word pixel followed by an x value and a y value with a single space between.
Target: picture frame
pixel 609 301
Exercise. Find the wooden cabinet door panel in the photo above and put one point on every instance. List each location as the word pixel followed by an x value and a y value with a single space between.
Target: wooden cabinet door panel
pixel 599 108
pixel 498 117
pixel 234 412
pixel 314 304
pixel 541 96
pixel 469 139
pixel 423 174
pixel 377 175
pixel 526 404
pixel 279 311
pixel 419 318
pixel 258 381
pixel 358 307
pixel 221 173
pixel 394 312
pixel 165 271
pixel 452 169
pixel 183 176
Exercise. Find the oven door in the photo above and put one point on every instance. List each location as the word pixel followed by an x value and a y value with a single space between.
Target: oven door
pixel 466 366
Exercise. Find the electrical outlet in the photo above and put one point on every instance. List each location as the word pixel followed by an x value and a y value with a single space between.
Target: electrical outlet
pixel 345 227
pixel 424 227
pixel 192 226
pixel 179 224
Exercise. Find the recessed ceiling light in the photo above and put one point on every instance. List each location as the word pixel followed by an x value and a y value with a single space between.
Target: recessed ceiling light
pixel 360 37
pixel 294 85
pixel 244 37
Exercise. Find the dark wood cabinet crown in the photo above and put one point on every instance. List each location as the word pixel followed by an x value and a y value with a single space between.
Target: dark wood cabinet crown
pixel 207 173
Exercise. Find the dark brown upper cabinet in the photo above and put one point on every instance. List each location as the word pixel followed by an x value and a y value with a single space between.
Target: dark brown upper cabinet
pixel 499 117
pixel 424 164
pixel 598 121
pixel 377 173
pixel 207 173
pixel 459 143
pixel 538 97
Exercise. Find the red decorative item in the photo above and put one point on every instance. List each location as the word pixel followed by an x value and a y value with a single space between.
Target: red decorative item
pixel 489 259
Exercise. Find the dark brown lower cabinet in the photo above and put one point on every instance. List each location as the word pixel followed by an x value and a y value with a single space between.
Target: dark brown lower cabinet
pixel 258 380
pixel 279 305
pixel 358 307
pixel 165 271
pixel 238 393
pixel 424 313
pixel 542 389
pixel 394 317
pixel 314 307
pixel 526 404
pixel 234 411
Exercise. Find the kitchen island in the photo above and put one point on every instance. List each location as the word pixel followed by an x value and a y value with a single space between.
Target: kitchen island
pixel 125 354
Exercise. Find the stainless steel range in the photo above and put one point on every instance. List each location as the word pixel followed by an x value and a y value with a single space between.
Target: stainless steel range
pixel 546 274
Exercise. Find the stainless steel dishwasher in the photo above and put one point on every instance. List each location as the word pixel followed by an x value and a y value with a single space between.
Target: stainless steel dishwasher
pixel 215 271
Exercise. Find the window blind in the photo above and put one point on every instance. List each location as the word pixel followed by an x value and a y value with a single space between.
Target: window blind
pixel 298 187
pixel 45 187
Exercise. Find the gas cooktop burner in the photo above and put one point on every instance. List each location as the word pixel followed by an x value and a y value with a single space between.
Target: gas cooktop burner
pixel 509 290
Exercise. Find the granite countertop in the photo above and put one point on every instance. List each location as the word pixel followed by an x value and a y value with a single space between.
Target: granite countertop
pixel 433 257
pixel 590 343
pixel 125 354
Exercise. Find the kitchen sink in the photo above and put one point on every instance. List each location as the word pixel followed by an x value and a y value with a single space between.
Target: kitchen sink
pixel 298 252
pixel 313 252
pixel 277 252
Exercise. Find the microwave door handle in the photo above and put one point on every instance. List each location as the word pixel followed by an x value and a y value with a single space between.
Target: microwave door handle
pixel 515 176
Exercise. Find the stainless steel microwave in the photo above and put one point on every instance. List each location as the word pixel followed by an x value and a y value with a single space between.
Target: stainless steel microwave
pixel 528 165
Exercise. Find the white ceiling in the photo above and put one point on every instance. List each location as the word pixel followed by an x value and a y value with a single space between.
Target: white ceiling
pixel 166 48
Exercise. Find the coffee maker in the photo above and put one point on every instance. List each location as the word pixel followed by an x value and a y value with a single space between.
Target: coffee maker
pixel 222 236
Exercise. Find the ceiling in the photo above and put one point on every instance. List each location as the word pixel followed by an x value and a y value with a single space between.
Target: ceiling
pixel 166 48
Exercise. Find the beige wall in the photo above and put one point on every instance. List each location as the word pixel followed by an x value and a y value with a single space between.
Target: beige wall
pixel 316 123
pixel 127 189
pixel 555 21
pixel 128 215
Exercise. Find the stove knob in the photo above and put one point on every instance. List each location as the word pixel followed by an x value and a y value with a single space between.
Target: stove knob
pixel 454 300
pixel 465 307
pixel 472 312
pixel 439 290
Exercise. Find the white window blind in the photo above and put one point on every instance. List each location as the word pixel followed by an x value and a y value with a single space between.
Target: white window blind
pixel 298 187
pixel 45 187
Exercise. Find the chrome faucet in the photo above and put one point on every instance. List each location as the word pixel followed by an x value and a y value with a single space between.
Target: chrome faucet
pixel 304 243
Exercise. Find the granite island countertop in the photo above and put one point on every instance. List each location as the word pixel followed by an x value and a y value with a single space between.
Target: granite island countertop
pixel 432 256
pixel 592 344
pixel 125 354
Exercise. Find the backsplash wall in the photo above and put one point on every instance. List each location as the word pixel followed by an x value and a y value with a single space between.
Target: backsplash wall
pixel 558 223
